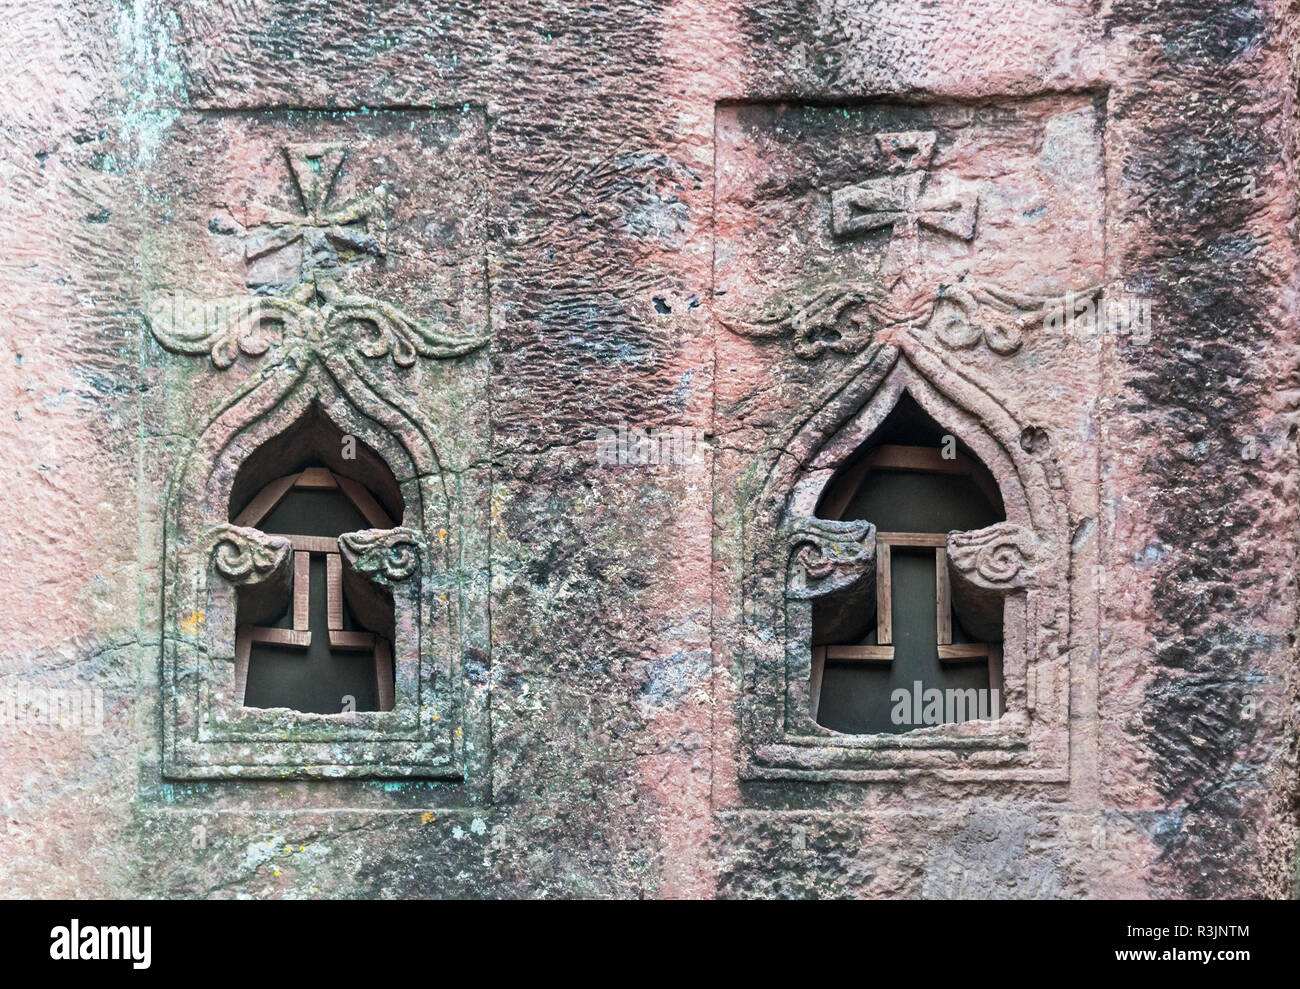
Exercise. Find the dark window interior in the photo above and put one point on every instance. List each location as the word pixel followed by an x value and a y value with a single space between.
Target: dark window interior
pixel 315 441
pixel 317 678
pixel 855 697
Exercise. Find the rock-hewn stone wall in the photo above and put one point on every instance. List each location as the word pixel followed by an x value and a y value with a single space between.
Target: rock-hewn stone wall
pixel 745 229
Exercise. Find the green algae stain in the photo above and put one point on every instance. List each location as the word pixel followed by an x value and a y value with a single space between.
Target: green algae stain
pixel 153 77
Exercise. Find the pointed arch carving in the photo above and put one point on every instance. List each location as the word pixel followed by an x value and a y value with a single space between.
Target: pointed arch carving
pixel 207 731
pixel 1030 741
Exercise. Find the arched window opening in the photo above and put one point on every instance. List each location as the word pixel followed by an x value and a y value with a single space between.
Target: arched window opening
pixel 320 638
pixel 914 647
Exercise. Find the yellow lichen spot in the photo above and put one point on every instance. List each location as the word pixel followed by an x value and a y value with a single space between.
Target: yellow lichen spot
pixel 191 622
pixel 442 535
pixel 427 818
pixel 459 733
pixel 437 717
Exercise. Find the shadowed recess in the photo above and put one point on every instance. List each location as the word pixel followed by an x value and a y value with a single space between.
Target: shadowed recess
pixel 857 697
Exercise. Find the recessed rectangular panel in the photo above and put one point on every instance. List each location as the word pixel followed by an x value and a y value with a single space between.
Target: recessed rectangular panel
pixel 898 200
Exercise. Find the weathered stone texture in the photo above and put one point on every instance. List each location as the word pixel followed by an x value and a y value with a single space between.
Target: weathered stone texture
pixel 621 215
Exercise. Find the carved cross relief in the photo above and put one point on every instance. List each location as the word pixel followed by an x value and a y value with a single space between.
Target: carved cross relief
pixel 905 202
pixel 312 246
pixel 909 286
pixel 293 265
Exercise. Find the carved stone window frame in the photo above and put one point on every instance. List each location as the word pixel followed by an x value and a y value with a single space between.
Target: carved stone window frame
pixel 206 732
pixel 787 550
pixel 275 570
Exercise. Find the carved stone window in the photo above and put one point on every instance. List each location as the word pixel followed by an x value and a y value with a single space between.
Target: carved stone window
pixel 869 257
pixel 321 640
pixel 907 652
pixel 317 309
pixel 865 486
pixel 320 598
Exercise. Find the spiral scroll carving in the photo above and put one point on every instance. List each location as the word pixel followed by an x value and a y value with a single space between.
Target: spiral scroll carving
pixel 386 556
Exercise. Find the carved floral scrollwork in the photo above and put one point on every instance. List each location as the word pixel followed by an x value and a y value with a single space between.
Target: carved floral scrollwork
pixel 1000 557
pixel 385 556
pixel 829 556
pixel 378 329
pixel 245 556
pixel 963 316
pixel 307 311
pixel 845 317
pixel 311 315
pixel 224 328
pixel 842 319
